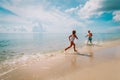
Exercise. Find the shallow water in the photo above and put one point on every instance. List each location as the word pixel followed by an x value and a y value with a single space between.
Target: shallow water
pixel 14 45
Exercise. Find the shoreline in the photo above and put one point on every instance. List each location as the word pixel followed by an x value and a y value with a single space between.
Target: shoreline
pixel 88 56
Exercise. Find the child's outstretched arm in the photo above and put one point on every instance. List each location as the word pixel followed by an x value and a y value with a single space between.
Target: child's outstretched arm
pixel 86 35
pixel 76 37
pixel 69 37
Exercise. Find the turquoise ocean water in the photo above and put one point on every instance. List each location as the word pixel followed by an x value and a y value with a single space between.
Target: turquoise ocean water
pixel 14 45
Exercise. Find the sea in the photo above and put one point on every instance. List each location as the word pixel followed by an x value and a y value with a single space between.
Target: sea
pixel 14 45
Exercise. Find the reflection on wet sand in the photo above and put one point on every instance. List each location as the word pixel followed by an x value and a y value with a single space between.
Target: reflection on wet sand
pixel 80 59
pixel 87 51
pixel 74 61
pixel 90 51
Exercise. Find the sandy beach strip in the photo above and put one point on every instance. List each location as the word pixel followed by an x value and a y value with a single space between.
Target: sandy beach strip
pixel 87 64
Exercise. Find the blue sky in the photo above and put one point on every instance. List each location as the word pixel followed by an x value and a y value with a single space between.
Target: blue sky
pixel 59 16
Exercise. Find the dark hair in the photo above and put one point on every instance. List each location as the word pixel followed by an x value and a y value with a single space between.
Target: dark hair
pixel 88 30
pixel 74 31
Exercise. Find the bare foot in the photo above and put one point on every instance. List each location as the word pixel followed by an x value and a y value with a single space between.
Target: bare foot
pixel 75 50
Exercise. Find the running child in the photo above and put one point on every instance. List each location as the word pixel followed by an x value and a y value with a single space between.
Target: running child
pixel 89 35
pixel 72 37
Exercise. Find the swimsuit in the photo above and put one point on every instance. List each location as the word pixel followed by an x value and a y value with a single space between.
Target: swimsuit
pixel 90 39
pixel 72 38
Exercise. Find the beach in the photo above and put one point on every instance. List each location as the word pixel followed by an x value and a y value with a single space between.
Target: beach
pixel 98 62
pixel 59 39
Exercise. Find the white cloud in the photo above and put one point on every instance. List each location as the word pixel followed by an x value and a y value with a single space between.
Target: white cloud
pixel 90 9
pixel 116 16
pixel 15 19
pixel 95 8
pixel 13 29
pixel 52 19
pixel 71 10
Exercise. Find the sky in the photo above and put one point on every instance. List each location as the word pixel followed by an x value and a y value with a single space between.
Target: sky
pixel 59 16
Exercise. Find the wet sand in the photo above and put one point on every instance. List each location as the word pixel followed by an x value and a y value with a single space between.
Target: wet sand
pixel 89 63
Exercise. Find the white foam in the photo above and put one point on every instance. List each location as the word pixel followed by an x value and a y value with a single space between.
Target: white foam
pixel 7 72
pixel 85 41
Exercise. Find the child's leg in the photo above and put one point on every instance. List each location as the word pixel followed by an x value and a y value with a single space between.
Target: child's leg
pixel 91 40
pixel 74 46
pixel 87 41
pixel 69 46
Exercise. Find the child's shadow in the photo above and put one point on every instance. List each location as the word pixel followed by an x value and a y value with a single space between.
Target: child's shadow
pixel 88 55
pixel 94 45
